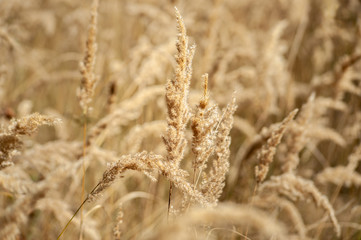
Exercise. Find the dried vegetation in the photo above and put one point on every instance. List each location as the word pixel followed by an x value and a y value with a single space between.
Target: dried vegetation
pixel 217 119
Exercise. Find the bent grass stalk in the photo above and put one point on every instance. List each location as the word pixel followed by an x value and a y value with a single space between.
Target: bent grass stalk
pixel 76 212
pixel 86 90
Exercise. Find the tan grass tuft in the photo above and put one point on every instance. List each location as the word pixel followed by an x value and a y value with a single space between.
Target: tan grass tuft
pixel 297 188
pixel 204 124
pixel 117 231
pixel 213 182
pixel 268 150
pixel 149 164
pixel 10 140
pixel 343 175
pixel 88 81
pixel 177 97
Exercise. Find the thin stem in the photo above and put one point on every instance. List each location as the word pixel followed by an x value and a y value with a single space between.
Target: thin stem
pixel 66 226
pixel 169 198
pixel 194 181
pixel 81 205
pixel 83 180
pixel 252 200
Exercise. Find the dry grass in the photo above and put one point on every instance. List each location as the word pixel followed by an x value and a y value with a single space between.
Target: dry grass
pixel 124 111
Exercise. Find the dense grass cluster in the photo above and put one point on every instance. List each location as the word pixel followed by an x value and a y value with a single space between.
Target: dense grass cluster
pixel 221 119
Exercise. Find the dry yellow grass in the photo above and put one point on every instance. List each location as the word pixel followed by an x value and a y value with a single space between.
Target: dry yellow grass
pixel 123 111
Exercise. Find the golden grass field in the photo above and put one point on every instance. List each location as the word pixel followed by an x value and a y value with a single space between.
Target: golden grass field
pixel 155 119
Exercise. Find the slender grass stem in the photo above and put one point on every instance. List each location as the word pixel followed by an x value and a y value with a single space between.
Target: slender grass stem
pixel 83 180
pixel 251 204
pixel 76 212
pixel 169 198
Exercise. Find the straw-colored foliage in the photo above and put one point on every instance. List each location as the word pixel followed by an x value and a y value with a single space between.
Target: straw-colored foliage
pixel 224 119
